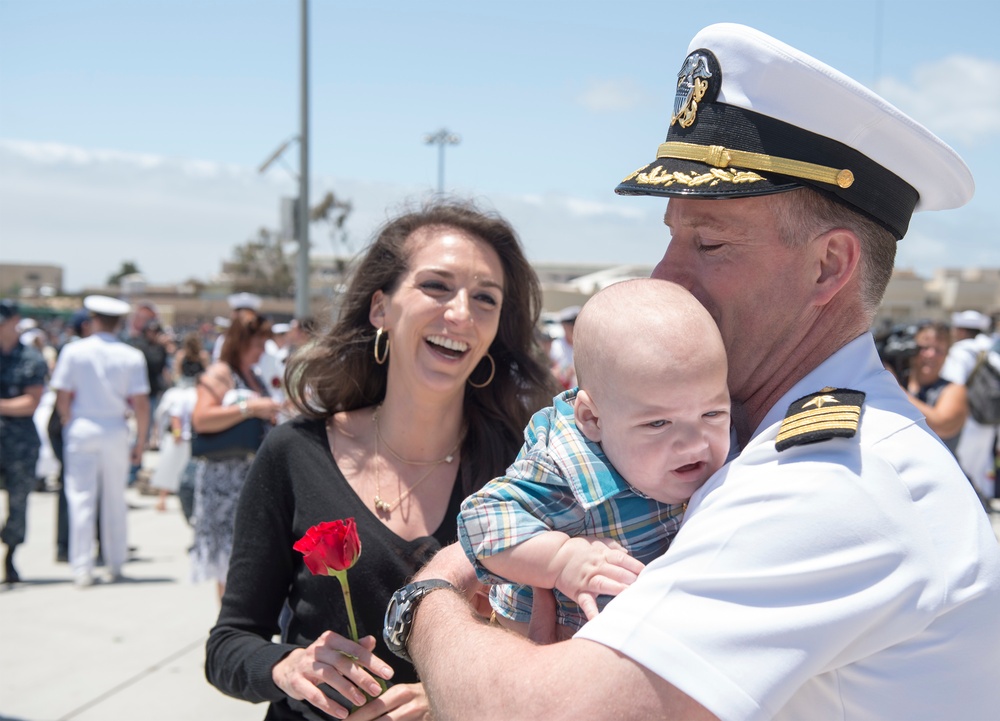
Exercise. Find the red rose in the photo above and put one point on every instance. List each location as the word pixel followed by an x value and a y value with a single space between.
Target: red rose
pixel 331 547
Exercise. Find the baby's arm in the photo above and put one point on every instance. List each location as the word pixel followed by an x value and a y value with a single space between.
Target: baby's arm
pixel 581 567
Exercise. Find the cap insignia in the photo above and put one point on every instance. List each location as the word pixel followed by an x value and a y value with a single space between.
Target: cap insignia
pixel 694 80
pixel 658 176
pixel 830 413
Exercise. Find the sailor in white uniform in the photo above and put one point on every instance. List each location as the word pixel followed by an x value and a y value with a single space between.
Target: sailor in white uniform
pixel 98 381
pixel 840 566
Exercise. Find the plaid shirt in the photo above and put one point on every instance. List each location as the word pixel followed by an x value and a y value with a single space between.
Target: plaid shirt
pixel 560 481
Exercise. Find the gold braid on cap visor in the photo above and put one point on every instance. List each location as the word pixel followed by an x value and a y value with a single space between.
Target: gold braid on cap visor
pixel 720 157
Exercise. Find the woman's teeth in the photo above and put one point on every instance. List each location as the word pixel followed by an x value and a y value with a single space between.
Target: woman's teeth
pixel 448 343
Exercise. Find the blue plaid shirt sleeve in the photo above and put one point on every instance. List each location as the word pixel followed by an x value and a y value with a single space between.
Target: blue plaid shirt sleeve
pixel 530 499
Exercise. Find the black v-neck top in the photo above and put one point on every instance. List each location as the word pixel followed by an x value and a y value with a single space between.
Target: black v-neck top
pixel 294 484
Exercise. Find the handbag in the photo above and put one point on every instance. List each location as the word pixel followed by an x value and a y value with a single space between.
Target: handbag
pixel 238 441
pixel 983 391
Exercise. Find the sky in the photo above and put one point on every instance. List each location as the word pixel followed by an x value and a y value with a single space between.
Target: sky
pixel 133 131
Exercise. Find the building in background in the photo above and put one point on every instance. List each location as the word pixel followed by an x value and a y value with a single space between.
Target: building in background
pixel 21 280
pixel 908 299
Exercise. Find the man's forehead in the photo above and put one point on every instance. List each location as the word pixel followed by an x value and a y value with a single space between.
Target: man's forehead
pixel 709 214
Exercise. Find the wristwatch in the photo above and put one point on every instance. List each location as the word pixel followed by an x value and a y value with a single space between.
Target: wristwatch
pixel 399 613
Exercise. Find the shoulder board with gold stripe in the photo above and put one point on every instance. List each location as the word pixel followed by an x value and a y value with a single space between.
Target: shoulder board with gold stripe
pixel 830 413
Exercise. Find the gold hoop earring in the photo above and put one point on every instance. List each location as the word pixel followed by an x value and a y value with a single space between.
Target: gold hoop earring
pixel 385 353
pixel 493 370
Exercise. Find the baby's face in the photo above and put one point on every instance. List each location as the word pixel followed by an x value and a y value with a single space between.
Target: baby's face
pixel 667 435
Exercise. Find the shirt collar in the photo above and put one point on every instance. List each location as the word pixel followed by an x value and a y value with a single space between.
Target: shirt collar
pixel 847 368
pixel 592 479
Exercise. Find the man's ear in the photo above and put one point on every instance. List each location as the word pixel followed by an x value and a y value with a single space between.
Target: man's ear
pixel 587 419
pixel 376 313
pixel 839 252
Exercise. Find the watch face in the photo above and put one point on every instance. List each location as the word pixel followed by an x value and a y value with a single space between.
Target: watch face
pixel 393 626
pixel 399 613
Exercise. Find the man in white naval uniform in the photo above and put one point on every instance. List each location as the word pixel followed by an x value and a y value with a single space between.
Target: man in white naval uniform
pixel 97 381
pixel 840 566
pixel 975 451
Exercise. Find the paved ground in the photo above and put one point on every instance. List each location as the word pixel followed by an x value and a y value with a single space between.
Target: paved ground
pixel 121 652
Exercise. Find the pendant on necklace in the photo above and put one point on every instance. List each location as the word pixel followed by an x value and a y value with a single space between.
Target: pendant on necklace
pixel 381 505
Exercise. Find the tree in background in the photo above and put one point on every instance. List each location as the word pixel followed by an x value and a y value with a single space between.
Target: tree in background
pixel 266 264
pixel 128 268
pixel 334 211
pixel 263 266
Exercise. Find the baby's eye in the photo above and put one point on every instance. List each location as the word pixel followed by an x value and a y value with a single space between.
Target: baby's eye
pixel 657 424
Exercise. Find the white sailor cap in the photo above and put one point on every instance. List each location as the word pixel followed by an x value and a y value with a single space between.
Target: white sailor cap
pixel 29 336
pixel 970 319
pixel 244 300
pixel 280 328
pixel 104 305
pixel 26 324
pixel 754 116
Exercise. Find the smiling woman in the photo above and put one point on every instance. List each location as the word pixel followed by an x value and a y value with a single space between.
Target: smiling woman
pixel 943 404
pixel 415 398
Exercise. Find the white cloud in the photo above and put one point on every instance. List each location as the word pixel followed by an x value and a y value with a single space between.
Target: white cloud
pixel 592 209
pixel 602 96
pixel 958 96
pixel 89 210
pixel 58 154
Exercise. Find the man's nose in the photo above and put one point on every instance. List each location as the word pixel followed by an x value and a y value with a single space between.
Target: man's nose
pixel 673 267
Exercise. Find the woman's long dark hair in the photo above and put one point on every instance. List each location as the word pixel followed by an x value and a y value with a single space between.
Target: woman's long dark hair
pixel 246 326
pixel 337 372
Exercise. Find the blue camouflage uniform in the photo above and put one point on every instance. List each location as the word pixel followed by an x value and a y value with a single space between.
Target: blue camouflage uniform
pixel 20 369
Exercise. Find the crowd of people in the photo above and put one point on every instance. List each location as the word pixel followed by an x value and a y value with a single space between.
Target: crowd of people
pixel 84 395
pixel 710 497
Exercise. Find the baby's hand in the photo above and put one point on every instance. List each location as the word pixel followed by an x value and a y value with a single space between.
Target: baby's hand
pixel 592 567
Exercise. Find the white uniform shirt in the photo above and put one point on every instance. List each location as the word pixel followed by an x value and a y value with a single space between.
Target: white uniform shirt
pixel 975 445
pixel 102 373
pixel 271 369
pixel 851 578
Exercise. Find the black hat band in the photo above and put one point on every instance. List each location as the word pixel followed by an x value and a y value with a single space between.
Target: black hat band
pixel 731 138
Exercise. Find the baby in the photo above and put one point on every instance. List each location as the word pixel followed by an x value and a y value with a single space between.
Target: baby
pixel 599 487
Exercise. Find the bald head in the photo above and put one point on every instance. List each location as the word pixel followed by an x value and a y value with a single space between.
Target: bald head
pixel 639 329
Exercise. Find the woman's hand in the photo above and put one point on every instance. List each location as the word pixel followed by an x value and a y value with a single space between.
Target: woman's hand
pixel 404 702
pixel 334 660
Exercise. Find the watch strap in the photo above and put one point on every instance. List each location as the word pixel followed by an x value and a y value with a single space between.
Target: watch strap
pixel 412 594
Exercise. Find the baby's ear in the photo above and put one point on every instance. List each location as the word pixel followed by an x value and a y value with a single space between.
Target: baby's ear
pixel 587 419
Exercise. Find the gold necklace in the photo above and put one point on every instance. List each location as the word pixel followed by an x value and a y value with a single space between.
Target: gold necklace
pixel 378 433
pixel 384 506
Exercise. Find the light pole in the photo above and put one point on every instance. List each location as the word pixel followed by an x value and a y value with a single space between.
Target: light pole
pixel 441 138
pixel 302 285
pixel 302 203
